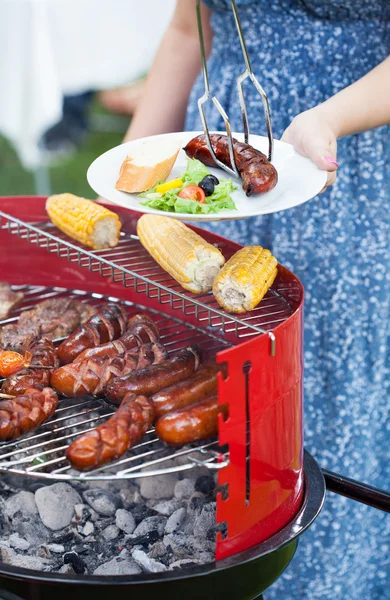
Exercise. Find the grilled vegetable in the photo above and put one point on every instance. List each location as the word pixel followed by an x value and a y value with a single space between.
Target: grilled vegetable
pixel 187 257
pixel 85 221
pixel 244 280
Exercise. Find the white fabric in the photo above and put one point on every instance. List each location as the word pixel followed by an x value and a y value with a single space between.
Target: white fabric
pixel 49 48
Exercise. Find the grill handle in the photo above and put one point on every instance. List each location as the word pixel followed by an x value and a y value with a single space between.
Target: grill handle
pixel 361 492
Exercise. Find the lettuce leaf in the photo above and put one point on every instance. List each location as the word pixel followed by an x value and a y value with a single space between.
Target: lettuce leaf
pixel 219 200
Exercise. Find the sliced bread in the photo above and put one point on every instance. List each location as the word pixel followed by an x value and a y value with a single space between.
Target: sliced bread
pixel 150 162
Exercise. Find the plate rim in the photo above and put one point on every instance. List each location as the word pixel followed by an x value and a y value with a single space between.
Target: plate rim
pixel 222 216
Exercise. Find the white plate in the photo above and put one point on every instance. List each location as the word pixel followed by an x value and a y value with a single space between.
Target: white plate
pixel 299 180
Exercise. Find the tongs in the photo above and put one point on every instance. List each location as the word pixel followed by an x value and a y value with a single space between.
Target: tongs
pixel 240 79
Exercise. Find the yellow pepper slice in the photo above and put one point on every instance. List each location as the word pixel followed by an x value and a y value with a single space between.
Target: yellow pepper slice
pixel 169 185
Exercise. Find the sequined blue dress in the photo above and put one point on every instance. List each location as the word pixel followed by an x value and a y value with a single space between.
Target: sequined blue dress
pixel 338 244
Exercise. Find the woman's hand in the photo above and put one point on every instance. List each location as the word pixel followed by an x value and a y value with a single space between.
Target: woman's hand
pixel 312 135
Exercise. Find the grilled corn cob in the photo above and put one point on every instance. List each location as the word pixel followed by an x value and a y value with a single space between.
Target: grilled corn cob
pixel 186 256
pixel 244 280
pixel 85 221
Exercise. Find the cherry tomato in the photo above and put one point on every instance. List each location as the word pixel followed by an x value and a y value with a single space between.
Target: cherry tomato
pixel 193 192
pixel 10 363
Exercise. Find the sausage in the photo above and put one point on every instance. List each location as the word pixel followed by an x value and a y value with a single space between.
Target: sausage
pixel 152 379
pixel 91 375
pixel 109 441
pixel 182 394
pixel 107 325
pixel 26 412
pixel 257 173
pixel 140 330
pixel 196 422
pixel 43 361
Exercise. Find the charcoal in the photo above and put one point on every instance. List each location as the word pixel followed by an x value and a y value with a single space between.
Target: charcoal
pixel 184 489
pixel 111 532
pixel 184 563
pixel 205 521
pixel 103 502
pixel 88 528
pixel 31 528
pixel 175 520
pixel 158 550
pixel 141 512
pixel 66 569
pixel 23 502
pixel 151 524
pixel 77 563
pixel 129 495
pixel 205 484
pixel 18 542
pixel 63 536
pixel 148 564
pixel 197 503
pixel 56 505
pixel 125 520
pixel 36 563
pixel 158 487
pixel 80 548
pixel 167 507
pixel 116 566
pixel 144 540
pixel 56 548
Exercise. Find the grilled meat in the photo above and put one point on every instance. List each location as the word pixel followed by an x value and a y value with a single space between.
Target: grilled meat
pixel 8 299
pixel 52 318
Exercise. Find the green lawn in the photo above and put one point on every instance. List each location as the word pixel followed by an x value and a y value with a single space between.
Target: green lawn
pixel 69 175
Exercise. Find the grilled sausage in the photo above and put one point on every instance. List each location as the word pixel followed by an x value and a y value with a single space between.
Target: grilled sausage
pixel 196 422
pixel 107 325
pixel 43 361
pixel 182 394
pixel 257 173
pixel 140 330
pixel 152 379
pixel 26 412
pixel 91 375
pixel 109 441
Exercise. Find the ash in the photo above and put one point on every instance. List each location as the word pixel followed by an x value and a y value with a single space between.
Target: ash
pixel 149 525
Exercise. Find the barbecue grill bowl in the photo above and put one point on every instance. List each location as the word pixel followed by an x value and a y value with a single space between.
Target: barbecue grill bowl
pixel 243 576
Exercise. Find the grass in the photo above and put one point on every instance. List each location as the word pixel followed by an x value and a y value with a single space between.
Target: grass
pixel 69 174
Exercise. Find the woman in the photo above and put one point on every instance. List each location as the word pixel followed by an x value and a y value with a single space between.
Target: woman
pixel 304 53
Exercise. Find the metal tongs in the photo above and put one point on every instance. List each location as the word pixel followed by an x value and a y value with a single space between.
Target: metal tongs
pixel 240 79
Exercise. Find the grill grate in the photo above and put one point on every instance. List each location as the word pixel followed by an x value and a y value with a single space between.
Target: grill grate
pixel 41 454
pixel 130 264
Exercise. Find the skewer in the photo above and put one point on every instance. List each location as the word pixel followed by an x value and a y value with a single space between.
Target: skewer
pixel 7 396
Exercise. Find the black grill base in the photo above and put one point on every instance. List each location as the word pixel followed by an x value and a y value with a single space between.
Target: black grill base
pixel 243 582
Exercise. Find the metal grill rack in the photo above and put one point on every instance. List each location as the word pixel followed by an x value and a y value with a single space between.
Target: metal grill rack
pixel 130 264
pixel 41 454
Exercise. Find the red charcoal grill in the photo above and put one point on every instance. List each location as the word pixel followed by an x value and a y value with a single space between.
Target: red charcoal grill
pixel 273 492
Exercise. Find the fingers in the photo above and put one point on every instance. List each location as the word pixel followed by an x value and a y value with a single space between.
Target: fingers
pixel 330 180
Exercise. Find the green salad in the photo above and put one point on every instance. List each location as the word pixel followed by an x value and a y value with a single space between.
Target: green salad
pixel 197 191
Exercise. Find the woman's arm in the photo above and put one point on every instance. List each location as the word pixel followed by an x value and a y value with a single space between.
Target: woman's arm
pixel 361 106
pixel 164 101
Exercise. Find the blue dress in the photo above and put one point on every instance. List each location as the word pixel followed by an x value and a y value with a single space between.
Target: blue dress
pixel 303 52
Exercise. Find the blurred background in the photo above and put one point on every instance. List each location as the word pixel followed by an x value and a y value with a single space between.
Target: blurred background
pixel 71 75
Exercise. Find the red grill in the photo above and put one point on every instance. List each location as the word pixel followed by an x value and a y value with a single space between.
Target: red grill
pixel 260 451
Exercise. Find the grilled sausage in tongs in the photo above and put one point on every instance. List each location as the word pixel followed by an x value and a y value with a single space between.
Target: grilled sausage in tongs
pixel 237 158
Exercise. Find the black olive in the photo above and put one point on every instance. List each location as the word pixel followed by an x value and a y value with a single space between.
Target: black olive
pixel 208 184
